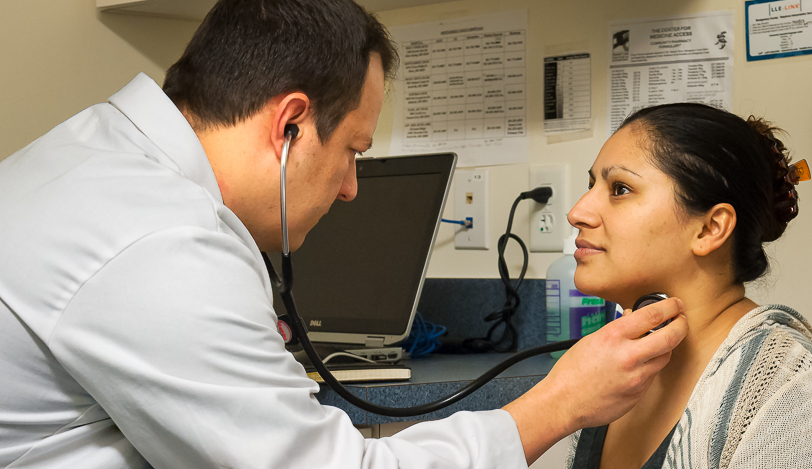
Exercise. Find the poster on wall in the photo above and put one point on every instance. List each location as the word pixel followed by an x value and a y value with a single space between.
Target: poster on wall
pixel 567 94
pixel 778 28
pixel 461 87
pixel 679 59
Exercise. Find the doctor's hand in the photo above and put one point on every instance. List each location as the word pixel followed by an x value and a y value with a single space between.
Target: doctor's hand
pixel 600 378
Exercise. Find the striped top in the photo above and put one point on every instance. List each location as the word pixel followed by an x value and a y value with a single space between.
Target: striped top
pixel 751 407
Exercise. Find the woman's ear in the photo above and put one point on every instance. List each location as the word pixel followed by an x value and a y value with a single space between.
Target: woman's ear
pixel 717 227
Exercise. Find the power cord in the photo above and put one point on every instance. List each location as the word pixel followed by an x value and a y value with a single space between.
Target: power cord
pixel 507 341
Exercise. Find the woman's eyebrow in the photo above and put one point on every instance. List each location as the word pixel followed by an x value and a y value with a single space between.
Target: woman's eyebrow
pixel 605 171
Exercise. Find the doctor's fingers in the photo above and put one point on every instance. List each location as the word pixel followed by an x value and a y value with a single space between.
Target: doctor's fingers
pixel 649 348
pixel 634 324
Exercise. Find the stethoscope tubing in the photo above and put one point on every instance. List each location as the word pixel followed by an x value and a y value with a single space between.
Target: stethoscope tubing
pixel 439 404
pixel 285 286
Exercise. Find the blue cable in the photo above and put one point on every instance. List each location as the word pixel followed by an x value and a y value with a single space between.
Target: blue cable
pixel 424 337
pixel 468 222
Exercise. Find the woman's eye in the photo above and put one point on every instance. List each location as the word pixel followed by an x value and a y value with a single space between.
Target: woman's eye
pixel 619 189
pixel 359 154
pixel 590 185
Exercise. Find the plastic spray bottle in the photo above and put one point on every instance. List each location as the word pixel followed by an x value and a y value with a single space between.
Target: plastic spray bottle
pixel 570 313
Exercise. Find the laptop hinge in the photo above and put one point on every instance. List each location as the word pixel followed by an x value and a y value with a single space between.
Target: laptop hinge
pixel 373 342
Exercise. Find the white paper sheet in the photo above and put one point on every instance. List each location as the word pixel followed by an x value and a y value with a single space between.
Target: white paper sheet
pixel 670 60
pixel 461 87
pixel 778 28
pixel 567 93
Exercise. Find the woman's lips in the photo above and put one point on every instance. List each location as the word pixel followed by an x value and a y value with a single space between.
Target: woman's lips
pixel 585 249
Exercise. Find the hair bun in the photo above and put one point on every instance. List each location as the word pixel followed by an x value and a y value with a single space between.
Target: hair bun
pixel 785 197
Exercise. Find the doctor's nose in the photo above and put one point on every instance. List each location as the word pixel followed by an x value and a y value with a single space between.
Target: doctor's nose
pixel 349 186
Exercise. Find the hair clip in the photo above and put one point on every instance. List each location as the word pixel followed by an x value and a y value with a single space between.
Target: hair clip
pixel 787 177
pixel 798 172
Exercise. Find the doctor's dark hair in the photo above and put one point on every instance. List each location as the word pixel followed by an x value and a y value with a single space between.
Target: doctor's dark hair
pixel 716 157
pixel 248 51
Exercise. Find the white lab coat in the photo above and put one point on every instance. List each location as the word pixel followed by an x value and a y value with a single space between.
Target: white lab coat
pixel 136 325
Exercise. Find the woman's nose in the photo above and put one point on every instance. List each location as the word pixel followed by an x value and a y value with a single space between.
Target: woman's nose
pixel 583 214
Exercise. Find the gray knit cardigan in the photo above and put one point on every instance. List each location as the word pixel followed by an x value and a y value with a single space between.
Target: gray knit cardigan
pixel 752 406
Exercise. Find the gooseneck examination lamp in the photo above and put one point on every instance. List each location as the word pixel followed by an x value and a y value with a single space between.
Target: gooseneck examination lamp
pixel 285 284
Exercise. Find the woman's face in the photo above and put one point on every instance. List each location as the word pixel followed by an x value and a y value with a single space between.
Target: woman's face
pixel 634 238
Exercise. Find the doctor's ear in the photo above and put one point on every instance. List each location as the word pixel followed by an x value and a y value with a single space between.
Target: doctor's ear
pixel 291 111
pixel 717 227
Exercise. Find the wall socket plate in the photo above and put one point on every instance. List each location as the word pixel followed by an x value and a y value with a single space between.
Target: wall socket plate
pixel 548 222
pixel 471 200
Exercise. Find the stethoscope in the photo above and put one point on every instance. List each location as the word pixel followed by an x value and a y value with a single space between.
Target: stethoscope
pixel 285 284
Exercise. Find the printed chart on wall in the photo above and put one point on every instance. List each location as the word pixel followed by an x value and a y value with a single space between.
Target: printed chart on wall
pixel 461 87
pixel 567 94
pixel 778 28
pixel 670 60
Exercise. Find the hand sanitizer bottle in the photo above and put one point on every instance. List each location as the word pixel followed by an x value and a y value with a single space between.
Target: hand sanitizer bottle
pixel 570 313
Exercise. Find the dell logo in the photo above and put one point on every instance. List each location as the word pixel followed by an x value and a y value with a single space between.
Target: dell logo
pixel 315 323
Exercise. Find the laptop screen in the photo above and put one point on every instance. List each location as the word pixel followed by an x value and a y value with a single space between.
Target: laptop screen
pixel 360 271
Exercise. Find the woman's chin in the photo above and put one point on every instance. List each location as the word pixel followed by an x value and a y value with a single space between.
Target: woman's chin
pixel 589 286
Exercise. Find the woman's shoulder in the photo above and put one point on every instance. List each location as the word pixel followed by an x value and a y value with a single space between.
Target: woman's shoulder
pixel 764 426
pixel 774 349
pixel 768 347
pixel 765 369
pixel 758 382
pixel 765 331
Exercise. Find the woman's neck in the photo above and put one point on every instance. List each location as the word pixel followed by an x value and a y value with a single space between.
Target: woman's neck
pixel 711 314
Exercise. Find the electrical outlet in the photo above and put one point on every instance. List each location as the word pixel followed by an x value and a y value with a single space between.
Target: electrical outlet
pixel 548 222
pixel 471 201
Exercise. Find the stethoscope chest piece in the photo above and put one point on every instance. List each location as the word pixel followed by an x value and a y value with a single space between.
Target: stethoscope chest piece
pixel 649 299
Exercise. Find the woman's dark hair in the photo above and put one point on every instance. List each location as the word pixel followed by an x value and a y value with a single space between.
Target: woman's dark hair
pixel 716 157
pixel 248 51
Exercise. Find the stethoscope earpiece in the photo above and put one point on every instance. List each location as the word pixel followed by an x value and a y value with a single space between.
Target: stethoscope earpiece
pixel 292 130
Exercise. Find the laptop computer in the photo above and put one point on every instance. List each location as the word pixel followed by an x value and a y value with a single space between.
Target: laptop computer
pixel 359 274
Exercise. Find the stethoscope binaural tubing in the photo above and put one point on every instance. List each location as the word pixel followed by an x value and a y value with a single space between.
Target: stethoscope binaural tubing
pixel 285 284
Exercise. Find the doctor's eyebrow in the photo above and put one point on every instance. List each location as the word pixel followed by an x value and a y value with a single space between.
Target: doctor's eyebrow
pixel 368 144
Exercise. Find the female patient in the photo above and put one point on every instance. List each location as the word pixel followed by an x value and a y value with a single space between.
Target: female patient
pixel 681 199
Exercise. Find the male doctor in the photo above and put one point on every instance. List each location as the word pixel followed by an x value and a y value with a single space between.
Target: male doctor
pixel 136 325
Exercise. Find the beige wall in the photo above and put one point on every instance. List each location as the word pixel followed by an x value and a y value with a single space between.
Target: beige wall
pixel 60 56
pixel 773 88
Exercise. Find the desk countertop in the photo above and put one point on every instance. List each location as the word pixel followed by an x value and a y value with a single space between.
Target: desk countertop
pixel 435 377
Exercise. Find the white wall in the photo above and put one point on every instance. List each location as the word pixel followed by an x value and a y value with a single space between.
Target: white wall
pixel 776 89
pixel 60 56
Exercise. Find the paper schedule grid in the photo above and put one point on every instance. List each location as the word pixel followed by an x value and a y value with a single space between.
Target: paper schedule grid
pixel 462 88
pixel 567 94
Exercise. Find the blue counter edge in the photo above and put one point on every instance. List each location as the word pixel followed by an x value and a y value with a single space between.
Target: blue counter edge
pixel 428 385
pixel 460 305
